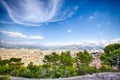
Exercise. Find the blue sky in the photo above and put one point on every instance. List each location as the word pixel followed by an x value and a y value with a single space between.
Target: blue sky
pixel 58 22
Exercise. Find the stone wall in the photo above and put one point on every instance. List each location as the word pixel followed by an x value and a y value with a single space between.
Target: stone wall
pixel 96 76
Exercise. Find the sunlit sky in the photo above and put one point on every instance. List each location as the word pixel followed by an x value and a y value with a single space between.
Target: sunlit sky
pixel 51 22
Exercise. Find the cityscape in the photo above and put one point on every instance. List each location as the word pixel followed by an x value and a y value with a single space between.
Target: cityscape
pixel 60 39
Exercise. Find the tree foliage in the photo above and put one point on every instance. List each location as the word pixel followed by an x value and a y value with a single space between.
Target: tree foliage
pixel 112 55
pixel 86 69
pixel 52 58
pixel 111 47
pixel 84 57
pixel 66 59
pixel 106 68
pixel 60 65
pixel 5 77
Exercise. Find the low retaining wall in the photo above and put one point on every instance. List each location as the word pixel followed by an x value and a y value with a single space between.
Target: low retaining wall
pixel 95 76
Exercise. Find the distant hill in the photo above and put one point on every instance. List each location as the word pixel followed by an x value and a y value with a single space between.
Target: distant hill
pixel 89 46
pixel 66 47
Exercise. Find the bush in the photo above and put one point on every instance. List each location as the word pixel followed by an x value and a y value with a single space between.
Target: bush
pixel 5 77
pixel 106 68
pixel 85 69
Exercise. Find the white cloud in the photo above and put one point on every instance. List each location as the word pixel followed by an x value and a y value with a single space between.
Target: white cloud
pixel 76 7
pixel 93 43
pixel 95 13
pixel 14 34
pixel 55 44
pixel 108 23
pixel 36 37
pixel 20 35
pixel 81 17
pixel 91 17
pixel 71 13
pixel 106 28
pixel 69 30
pixel 2 41
pixel 18 42
pixel 36 12
pixel 99 25
pixel 101 33
pixel 31 12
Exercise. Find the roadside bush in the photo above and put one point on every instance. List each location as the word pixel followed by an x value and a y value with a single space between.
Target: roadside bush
pixel 5 77
pixel 106 68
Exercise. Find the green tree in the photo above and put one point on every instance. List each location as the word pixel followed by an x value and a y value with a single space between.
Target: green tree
pixel 84 57
pixel 4 62
pixel 112 56
pixel 66 59
pixel 22 71
pixel 6 77
pixel 105 68
pixel 45 71
pixel 5 69
pixel 86 69
pixel 111 47
pixel 65 71
pixel 52 58
pixel 34 71
pixel 15 61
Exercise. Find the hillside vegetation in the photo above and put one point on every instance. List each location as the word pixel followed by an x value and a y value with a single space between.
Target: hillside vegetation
pixel 63 65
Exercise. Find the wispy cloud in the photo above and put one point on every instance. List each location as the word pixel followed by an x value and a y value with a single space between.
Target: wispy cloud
pixel 36 12
pixel 108 23
pixel 14 34
pixel 100 33
pixel 69 30
pixel 20 35
pixel 99 25
pixel 18 42
pixel 93 16
pixel 72 12
pixel 5 22
pixel 81 17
